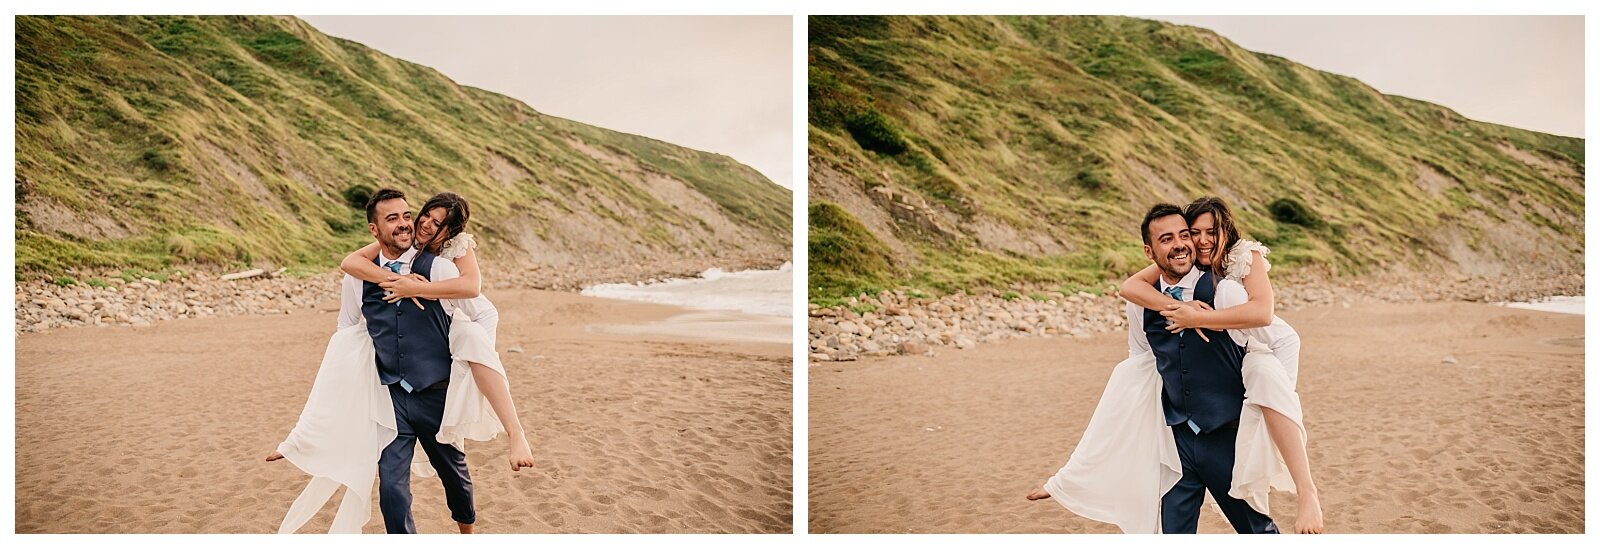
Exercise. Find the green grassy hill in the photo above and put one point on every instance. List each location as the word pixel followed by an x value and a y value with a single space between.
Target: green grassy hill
pixel 954 153
pixel 151 142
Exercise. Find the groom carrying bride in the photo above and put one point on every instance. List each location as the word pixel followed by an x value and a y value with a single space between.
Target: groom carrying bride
pixel 355 409
pixel 416 369
pixel 1203 387
pixel 1178 444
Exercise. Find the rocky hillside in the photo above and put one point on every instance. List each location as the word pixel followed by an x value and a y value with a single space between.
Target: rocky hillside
pixel 154 142
pixel 955 153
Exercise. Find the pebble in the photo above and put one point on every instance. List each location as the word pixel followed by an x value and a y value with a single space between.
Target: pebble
pixel 913 348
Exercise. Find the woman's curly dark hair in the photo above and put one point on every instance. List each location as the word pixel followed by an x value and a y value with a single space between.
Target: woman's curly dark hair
pixel 456 212
pixel 1227 232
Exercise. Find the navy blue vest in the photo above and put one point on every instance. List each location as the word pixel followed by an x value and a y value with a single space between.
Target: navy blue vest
pixel 1204 381
pixel 412 345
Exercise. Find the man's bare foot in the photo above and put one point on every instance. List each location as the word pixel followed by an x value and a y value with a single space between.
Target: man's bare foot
pixel 274 456
pixel 521 454
pixel 1038 494
pixel 1309 519
pixel 465 528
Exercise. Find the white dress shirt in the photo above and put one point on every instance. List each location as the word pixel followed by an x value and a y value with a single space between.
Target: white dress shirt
pixel 443 269
pixel 1228 294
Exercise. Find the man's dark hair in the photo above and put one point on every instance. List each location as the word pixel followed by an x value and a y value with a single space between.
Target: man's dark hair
pixel 380 196
pixel 1157 211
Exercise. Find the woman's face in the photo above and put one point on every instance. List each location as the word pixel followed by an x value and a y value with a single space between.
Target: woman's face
pixel 429 224
pixel 1203 231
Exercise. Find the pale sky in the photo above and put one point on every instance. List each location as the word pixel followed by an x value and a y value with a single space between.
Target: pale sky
pixel 719 84
pixel 1520 71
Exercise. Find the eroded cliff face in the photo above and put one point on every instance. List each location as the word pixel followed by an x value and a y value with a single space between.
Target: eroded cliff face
pixel 994 151
pixel 155 142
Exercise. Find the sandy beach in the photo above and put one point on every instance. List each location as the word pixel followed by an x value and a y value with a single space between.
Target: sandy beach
pixel 1448 417
pixel 163 428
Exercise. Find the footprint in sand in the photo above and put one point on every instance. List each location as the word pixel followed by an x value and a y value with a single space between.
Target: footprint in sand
pixel 1419 525
pixel 738 485
pixel 707 508
pixel 655 494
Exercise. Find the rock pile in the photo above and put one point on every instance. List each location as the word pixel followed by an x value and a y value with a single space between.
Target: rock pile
pixel 898 323
pixel 110 298
pixel 116 298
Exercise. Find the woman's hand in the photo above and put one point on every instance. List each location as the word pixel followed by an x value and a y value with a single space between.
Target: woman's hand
pixel 1186 315
pixel 401 287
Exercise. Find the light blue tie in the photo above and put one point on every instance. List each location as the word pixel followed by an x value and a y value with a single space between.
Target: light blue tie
pixel 1177 293
pixel 394 267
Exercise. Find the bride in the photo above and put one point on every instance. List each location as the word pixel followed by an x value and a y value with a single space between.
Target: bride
pixel 1127 459
pixel 349 419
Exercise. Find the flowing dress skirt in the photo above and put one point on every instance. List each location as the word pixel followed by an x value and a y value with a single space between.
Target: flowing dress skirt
pixel 349 419
pixel 1127 459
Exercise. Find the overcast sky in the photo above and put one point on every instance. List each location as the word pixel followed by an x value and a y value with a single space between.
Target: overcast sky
pixel 1521 71
pixel 717 84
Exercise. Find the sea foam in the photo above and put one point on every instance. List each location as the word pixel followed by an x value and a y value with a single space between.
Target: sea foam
pixel 761 292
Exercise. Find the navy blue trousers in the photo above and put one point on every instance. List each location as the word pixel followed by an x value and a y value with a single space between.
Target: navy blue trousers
pixel 416 417
pixel 1207 465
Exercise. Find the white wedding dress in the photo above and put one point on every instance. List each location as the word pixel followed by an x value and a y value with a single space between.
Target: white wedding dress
pixel 348 418
pixel 1127 458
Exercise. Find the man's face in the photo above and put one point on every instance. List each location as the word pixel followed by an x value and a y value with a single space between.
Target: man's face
pixel 1170 247
pixel 393 225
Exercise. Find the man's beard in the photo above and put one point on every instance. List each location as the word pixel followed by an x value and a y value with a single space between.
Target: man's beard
pixel 1166 266
pixel 393 243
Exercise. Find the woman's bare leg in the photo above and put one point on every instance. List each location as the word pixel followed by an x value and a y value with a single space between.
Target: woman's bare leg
pixel 495 389
pixel 1286 436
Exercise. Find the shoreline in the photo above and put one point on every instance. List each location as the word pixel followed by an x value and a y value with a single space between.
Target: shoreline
pixel 44 306
pixel 707 325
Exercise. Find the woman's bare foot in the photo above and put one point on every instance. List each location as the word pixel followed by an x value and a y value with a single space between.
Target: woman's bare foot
pixel 521 454
pixel 274 456
pixel 1309 519
pixel 1038 494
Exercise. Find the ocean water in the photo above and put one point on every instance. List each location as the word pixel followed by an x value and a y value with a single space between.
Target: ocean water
pixel 1572 305
pixel 758 292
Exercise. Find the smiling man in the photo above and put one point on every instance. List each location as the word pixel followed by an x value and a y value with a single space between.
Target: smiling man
pixel 1202 382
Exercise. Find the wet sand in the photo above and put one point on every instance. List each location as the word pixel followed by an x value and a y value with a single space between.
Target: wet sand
pixel 1400 440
